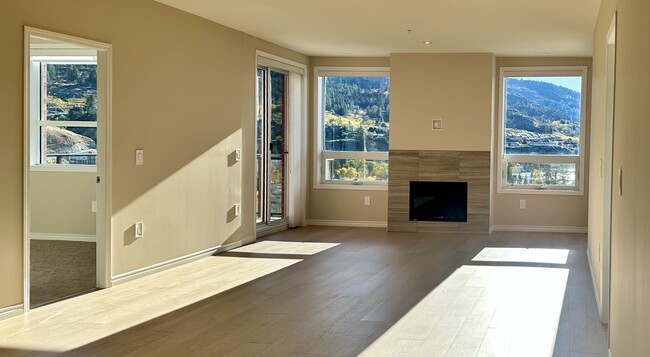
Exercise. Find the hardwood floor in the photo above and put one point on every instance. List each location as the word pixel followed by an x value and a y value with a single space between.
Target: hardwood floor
pixel 334 291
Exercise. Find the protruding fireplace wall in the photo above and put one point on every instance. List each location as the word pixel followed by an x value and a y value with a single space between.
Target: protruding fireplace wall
pixel 472 167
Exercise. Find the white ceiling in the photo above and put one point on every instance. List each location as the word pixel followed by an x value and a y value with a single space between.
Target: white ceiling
pixel 379 27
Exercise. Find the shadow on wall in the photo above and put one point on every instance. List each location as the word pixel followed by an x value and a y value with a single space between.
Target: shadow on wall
pixel 129 235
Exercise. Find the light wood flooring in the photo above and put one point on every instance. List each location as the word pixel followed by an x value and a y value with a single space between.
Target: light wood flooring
pixel 333 291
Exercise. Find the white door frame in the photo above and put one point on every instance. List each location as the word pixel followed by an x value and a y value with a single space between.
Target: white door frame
pixel 296 137
pixel 104 105
pixel 608 172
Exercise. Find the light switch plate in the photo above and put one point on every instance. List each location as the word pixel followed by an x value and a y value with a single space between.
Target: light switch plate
pixel 237 155
pixel 237 209
pixel 139 157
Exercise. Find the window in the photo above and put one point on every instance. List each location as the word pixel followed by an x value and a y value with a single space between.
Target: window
pixel 63 111
pixel 543 124
pixel 353 126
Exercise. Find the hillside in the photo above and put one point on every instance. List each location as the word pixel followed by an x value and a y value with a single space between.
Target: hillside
pixel 357 113
pixel 541 118
pixel 71 96
pixel 357 117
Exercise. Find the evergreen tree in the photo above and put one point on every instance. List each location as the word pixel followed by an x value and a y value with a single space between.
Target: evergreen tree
pixel 73 73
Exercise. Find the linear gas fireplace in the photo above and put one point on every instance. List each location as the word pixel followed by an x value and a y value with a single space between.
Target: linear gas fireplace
pixel 471 169
pixel 438 201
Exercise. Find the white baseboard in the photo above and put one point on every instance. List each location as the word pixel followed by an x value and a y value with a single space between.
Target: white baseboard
pixel 248 240
pixel 264 230
pixel 548 229
pixel 593 283
pixel 11 311
pixel 63 236
pixel 338 223
pixel 158 267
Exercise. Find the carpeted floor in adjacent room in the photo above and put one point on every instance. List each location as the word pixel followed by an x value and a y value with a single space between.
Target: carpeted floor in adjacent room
pixel 60 269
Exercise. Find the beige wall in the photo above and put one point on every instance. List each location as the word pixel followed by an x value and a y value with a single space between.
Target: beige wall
pixel 61 202
pixel 184 91
pixel 456 88
pixel 541 210
pixel 597 152
pixel 338 204
pixel 630 272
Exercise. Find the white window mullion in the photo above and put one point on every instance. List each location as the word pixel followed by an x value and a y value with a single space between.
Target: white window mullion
pixel 64 123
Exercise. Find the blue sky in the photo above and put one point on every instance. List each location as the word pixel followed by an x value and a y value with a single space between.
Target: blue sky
pixel 573 83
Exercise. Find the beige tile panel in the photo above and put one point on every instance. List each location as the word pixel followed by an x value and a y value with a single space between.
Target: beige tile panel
pixel 439 165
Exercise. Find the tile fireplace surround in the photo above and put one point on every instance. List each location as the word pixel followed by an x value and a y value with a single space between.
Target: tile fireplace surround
pixel 472 167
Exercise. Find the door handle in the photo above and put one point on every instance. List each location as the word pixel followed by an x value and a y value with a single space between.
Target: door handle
pixel 620 181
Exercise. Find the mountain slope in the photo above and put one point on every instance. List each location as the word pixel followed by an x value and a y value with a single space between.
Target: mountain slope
pixel 541 118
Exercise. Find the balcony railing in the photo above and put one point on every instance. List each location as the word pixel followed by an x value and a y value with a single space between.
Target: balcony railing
pixel 72 159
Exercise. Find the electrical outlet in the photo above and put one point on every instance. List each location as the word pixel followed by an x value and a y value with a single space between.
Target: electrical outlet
pixel 139 229
pixel 366 200
pixel 522 204
pixel 237 209
pixel 93 206
pixel 436 124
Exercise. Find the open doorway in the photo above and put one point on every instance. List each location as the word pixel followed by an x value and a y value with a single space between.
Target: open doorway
pixel 66 172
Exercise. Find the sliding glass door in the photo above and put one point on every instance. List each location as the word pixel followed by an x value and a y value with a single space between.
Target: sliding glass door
pixel 271 146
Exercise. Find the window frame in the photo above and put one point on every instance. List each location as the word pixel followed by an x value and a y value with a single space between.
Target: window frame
pixel 36 98
pixel 504 159
pixel 320 154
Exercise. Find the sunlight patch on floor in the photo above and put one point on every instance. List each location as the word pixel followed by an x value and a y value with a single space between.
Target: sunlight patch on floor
pixel 291 248
pixel 523 255
pixel 72 323
pixel 482 311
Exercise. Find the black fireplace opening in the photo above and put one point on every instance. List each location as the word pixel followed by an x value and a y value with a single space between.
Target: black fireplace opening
pixel 438 201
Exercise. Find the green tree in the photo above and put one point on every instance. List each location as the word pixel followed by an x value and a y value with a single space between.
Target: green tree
pixel 51 74
pixel 91 106
pixel 73 74
pixel 91 80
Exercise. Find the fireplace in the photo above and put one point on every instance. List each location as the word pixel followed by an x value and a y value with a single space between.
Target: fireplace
pixel 471 168
pixel 438 201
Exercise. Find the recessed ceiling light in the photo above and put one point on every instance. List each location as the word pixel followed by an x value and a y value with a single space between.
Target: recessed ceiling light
pixel 427 42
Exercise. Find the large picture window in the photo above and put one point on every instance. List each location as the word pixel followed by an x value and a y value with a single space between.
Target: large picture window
pixel 353 126
pixel 63 111
pixel 543 124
